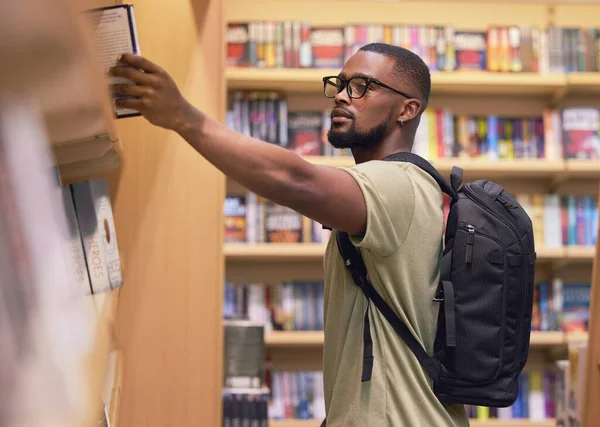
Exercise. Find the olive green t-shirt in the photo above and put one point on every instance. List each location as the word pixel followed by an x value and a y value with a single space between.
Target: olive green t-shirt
pixel 402 249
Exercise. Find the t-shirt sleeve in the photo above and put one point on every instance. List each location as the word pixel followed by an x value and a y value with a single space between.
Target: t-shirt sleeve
pixel 390 200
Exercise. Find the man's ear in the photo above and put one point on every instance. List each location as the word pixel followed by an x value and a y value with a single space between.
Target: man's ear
pixel 410 109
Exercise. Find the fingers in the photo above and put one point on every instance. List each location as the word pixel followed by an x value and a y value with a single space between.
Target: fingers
pixel 131 103
pixel 134 75
pixel 140 62
pixel 132 90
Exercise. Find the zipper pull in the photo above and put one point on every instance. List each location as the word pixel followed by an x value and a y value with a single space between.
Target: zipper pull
pixel 470 241
pixel 505 203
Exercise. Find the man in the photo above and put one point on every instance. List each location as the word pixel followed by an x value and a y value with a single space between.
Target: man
pixel 392 210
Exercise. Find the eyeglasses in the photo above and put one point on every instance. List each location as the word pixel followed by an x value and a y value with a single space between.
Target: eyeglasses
pixel 355 86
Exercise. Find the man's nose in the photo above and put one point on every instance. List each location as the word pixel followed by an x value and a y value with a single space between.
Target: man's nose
pixel 342 96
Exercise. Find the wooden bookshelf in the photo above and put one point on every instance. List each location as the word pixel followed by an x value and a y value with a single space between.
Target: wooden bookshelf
pixel 486 93
pixel 583 169
pixel 274 252
pixel 474 423
pixel 305 339
pixel 168 203
pixel 309 80
pixel 583 84
pixel 518 175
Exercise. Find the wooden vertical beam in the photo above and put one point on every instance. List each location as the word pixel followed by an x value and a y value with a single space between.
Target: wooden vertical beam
pixel 168 212
pixel 591 395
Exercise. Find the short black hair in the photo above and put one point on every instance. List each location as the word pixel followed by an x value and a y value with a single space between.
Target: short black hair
pixel 409 66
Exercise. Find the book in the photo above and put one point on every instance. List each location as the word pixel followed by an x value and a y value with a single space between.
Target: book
pixel 244 354
pixel 74 245
pixel 115 33
pixel 234 210
pixel 97 227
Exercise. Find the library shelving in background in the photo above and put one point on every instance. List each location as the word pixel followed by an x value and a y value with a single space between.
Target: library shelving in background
pixel 552 86
pixel 474 423
pixel 465 92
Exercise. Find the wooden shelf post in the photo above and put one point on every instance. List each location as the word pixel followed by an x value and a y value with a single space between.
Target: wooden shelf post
pixel 168 213
pixel 591 395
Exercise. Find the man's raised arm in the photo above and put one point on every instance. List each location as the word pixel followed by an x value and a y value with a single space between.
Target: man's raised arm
pixel 327 195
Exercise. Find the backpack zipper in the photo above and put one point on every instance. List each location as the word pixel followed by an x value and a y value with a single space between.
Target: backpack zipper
pixel 470 241
pixel 471 195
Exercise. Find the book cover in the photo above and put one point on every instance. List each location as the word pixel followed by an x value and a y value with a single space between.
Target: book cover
pixel 328 46
pixel 97 227
pixel 580 133
pixel 470 49
pixel 75 244
pixel 237 45
pixel 115 33
pixel 282 224
pixel 576 307
pixel 305 130
pixel 234 210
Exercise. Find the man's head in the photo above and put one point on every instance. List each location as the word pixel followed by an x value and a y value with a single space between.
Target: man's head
pixel 382 112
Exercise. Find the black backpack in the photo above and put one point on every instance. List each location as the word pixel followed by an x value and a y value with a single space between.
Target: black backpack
pixel 485 294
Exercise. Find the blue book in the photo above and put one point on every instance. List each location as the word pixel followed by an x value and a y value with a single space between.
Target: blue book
pixel 524 392
pixel 492 137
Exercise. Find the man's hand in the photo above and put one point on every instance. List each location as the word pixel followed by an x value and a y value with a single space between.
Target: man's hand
pixel 157 97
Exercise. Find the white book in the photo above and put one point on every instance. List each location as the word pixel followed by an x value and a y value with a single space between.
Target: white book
pixel 505 413
pixel 552 221
pixel 97 227
pixel 115 33
pixel 251 218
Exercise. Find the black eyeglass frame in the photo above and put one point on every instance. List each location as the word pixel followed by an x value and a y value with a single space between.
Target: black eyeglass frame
pixel 346 84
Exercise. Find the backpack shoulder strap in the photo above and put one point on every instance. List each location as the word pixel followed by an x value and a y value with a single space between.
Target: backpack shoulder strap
pixel 419 161
pixel 355 264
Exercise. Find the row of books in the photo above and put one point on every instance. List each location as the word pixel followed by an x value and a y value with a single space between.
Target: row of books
pixel 537 400
pixel 93 247
pixel 558 220
pixel 568 133
pixel 561 220
pixel 544 394
pixel 297 44
pixel 298 306
pixel 298 395
pixel 245 408
pixel 559 306
pixel 252 219
pixel 292 306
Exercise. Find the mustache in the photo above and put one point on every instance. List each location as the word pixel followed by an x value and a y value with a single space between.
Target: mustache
pixel 339 111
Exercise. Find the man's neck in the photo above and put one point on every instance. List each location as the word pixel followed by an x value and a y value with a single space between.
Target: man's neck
pixel 362 155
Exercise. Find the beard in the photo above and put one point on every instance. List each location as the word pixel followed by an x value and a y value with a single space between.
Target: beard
pixel 353 138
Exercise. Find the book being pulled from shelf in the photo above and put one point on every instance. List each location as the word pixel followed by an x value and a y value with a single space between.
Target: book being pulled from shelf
pixel 115 33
